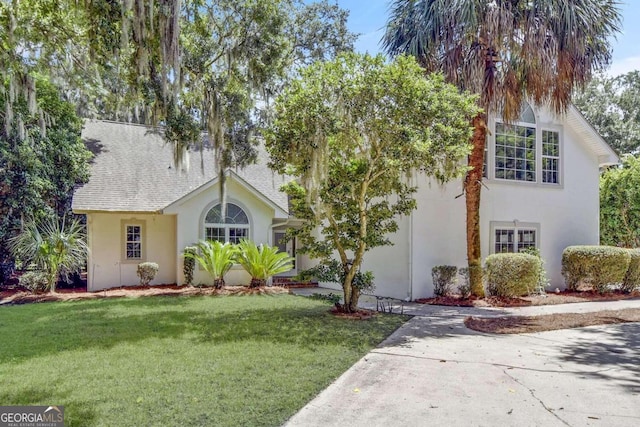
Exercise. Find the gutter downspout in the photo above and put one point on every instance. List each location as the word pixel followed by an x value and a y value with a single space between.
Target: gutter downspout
pixel 411 215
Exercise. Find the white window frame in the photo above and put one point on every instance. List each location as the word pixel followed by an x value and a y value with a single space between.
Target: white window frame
pixel 491 164
pixel 124 226
pixel 514 226
pixel 226 226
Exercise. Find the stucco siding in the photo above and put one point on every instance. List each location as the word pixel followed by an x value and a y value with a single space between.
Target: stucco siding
pixel 107 265
pixel 190 225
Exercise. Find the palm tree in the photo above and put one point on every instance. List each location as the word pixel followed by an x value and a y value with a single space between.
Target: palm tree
pixel 215 257
pixel 505 51
pixel 262 262
pixel 53 246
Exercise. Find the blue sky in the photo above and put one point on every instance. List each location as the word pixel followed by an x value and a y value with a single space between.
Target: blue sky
pixel 368 17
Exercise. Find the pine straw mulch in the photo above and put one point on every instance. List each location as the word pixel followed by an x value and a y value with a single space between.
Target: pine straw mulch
pixel 18 296
pixel 550 322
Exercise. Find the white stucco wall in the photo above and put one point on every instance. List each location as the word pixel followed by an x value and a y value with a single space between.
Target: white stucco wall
pixel 107 267
pixel 190 224
pixel 567 214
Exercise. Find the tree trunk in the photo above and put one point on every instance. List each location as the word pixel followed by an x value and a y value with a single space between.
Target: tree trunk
pixel 257 283
pixel 218 283
pixel 351 294
pixel 472 187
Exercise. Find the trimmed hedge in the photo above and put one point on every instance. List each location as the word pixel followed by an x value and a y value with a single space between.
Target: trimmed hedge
pixel 631 280
pixel 601 266
pixel 512 274
pixel 444 279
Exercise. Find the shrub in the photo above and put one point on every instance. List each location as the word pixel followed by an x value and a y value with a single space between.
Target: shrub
pixel 601 266
pixel 512 274
pixel 189 264
pixel 444 278
pixel 464 286
pixel 35 281
pixel 330 297
pixel 215 257
pixel 631 280
pixel 542 273
pixel 262 262
pixel 147 272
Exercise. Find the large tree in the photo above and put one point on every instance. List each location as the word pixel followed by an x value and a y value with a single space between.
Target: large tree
pixel 506 51
pixel 620 204
pixel 612 106
pixel 352 131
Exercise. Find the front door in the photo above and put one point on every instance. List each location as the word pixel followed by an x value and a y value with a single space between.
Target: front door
pixel 288 247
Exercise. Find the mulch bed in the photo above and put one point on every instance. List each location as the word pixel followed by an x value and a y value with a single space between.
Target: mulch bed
pixel 20 296
pixel 550 322
pixel 357 315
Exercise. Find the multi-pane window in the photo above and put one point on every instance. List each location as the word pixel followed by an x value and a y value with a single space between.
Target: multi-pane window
pixel 550 156
pixel 525 152
pixel 513 240
pixel 133 244
pixel 515 157
pixel 234 228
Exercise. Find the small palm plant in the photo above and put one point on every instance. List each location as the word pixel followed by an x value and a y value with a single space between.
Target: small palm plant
pixel 215 257
pixel 262 262
pixel 52 246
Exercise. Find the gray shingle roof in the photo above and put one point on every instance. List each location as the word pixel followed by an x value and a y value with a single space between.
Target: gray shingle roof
pixel 133 171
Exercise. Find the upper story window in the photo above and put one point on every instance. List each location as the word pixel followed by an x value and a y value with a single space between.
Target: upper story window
pixel 523 151
pixel 234 228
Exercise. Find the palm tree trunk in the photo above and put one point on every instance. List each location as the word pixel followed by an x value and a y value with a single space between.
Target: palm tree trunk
pixel 472 187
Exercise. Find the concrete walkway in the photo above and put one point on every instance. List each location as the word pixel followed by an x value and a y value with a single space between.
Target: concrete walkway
pixel 433 371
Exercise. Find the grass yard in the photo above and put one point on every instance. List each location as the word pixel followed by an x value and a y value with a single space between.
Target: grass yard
pixel 223 361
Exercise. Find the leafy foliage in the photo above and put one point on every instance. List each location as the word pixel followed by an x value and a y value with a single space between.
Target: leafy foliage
pixel 601 266
pixel 189 264
pixel 351 131
pixel 444 279
pixel 512 274
pixel 631 280
pixel 39 172
pixel 543 281
pixel 612 106
pixel 215 257
pixel 620 204
pixel 53 246
pixel 147 271
pixel 35 281
pixel 262 261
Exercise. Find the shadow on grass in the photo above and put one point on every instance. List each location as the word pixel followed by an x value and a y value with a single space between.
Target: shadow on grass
pixel 614 355
pixel 43 329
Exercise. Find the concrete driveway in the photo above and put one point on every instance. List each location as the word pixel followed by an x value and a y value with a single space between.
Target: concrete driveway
pixel 434 371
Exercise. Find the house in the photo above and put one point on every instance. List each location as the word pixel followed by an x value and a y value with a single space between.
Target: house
pixel 541 174
pixel 140 208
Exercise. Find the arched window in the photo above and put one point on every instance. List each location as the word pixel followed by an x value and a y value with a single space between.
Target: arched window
pixel 234 228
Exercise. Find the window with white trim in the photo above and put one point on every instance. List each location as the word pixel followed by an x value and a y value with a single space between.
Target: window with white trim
pixel 234 228
pixel 513 239
pixel 525 152
pixel 133 241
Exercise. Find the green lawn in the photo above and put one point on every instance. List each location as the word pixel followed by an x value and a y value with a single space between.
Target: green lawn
pixel 223 361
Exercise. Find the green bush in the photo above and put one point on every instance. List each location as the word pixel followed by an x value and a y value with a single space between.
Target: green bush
pixel 35 281
pixel 542 273
pixel 600 266
pixel 631 280
pixel 444 278
pixel 146 272
pixel 464 286
pixel 189 263
pixel 512 274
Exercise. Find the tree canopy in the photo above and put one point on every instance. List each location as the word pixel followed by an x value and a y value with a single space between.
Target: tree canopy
pixel 620 204
pixel 352 131
pixel 612 106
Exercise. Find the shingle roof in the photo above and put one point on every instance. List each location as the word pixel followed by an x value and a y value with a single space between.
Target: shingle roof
pixel 133 171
